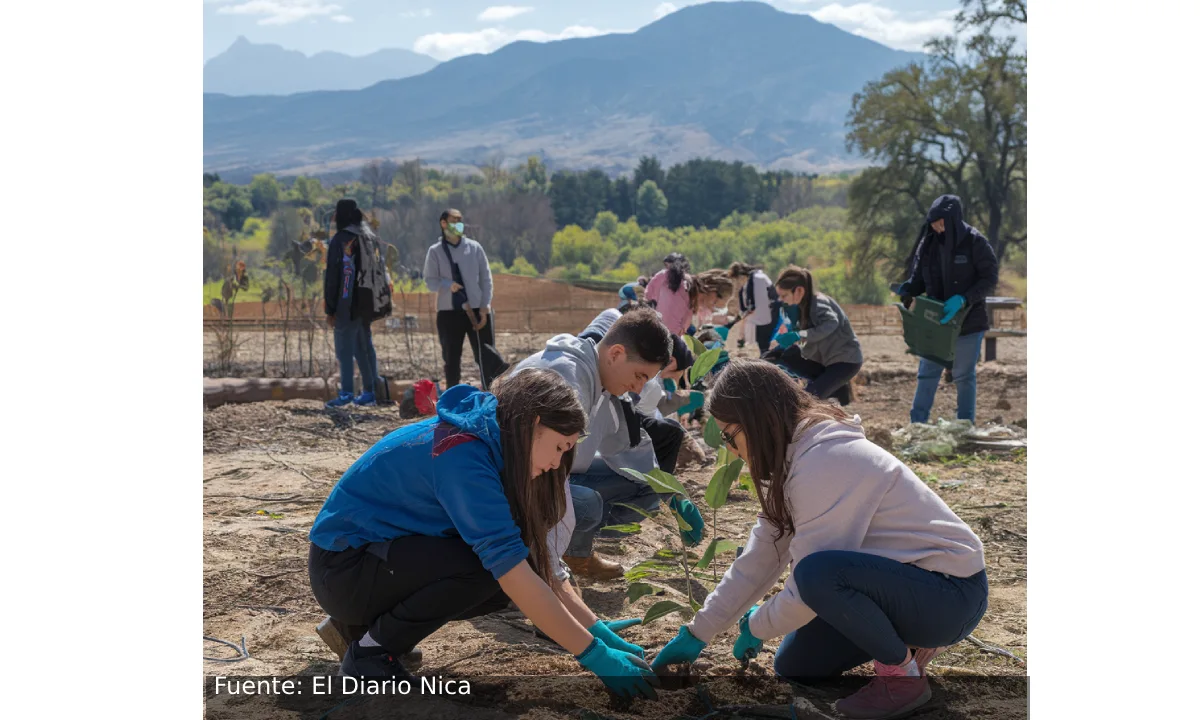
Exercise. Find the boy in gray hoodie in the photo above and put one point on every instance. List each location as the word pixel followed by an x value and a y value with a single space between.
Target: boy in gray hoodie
pixel 615 355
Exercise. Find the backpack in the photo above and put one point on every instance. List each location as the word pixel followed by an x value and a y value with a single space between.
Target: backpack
pixel 373 277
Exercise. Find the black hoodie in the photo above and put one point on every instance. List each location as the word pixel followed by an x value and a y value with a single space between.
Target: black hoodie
pixel 959 261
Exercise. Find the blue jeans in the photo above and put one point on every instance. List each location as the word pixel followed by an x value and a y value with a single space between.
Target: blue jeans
pixel 352 341
pixel 589 514
pixel 611 487
pixel 872 608
pixel 929 374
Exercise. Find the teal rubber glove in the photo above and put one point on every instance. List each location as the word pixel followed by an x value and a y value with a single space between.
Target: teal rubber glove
pixel 627 675
pixel 723 332
pixel 746 646
pixel 605 632
pixel 693 517
pixel 787 339
pixel 684 647
pixel 951 308
pixel 669 385
pixel 695 402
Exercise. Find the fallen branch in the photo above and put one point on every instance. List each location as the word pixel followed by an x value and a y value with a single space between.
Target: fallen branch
pixel 984 647
pixel 284 463
pixel 273 576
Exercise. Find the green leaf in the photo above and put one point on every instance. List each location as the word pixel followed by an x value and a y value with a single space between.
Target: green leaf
pixel 694 345
pixel 683 524
pixel 639 590
pixel 667 553
pixel 715 548
pixel 663 483
pixel 703 364
pixel 695 604
pixel 636 509
pixel 662 609
pixel 718 488
pixel 625 528
pixel 748 483
pixel 712 434
pixel 647 568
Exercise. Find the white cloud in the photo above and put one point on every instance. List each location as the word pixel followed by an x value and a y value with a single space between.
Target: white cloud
pixel 444 46
pixel 500 13
pixel 342 19
pixel 664 10
pixel 886 25
pixel 281 12
pixel 422 13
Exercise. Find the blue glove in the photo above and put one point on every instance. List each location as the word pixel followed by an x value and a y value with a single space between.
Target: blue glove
pixel 951 308
pixel 722 332
pixel 746 646
pixel 684 647
pixel 669 385
pixel 605 632
pixel 787 339
pixel 627 675
pixel 695 403
pixel 693 517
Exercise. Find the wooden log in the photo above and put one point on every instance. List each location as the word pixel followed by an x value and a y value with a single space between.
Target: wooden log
pixel 219 391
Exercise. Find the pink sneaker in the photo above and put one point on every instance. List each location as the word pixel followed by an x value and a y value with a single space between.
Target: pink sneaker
pixel 924 656
pixel 892 693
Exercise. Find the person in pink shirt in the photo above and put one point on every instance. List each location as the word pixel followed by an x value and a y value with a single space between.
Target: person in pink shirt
pixel 668 290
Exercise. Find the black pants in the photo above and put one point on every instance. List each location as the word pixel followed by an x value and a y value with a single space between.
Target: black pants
pixel 667 436
pixel 425 583
pixel 452 327
pixel 763 334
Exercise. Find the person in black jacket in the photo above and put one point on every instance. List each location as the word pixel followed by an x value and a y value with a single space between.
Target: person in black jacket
pixel 954 264
pixel 350 304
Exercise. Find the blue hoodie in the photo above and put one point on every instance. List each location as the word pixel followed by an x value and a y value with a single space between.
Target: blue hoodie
pixel 439 477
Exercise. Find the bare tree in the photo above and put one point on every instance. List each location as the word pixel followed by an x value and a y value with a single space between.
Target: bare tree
pixel 378 175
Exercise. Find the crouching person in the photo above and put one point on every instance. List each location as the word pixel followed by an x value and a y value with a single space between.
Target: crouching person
pixel 449 518
pixel 881 569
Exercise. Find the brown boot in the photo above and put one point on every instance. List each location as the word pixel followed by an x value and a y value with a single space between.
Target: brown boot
pixel 338 636
pixel 595 567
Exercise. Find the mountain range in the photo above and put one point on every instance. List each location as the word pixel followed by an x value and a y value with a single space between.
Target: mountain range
pixel 248 68
pixel 732 81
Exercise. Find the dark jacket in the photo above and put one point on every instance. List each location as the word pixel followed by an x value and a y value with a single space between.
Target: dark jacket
pixel 958 262
pixel 372 291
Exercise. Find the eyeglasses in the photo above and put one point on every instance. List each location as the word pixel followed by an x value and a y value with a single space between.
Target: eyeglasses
pixel 728 439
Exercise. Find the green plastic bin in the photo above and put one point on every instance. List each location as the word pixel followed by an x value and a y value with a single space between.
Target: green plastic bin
pixel 925 334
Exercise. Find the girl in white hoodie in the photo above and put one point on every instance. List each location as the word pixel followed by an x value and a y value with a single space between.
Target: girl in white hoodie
pixel 880 568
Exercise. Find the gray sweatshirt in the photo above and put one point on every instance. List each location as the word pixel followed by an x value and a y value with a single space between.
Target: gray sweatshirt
pixel 844 493
pixel 830 339
pixel 472 263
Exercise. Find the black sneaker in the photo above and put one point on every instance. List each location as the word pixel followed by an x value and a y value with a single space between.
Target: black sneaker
pixel 373 662
pixel 843 395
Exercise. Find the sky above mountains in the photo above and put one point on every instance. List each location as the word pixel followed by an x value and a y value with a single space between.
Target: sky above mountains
pixel 449 28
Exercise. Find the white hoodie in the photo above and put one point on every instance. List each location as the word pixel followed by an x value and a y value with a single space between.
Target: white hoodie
pixel 843 493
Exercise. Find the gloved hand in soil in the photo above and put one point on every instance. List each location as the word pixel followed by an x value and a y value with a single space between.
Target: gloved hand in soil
pixel 606 632
pixel 684 647
pixel 627 675
pixel 951 308
pixel 746 646
pixel 787 339
pixel 693 517
pixel 695 402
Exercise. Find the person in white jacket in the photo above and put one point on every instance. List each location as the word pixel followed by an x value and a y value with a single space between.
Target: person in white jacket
pixel 880 568
pixel 757 304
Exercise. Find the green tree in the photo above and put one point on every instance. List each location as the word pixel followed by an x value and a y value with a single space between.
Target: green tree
pixel 651 205
pixel 287 228
pixel 648 168
pixel 521 266
pixel 955 125
pixel 533 174
pixel 307 191
pixel 264 194
pixel 605 224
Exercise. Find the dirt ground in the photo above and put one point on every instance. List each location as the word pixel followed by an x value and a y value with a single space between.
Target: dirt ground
pixel 268 467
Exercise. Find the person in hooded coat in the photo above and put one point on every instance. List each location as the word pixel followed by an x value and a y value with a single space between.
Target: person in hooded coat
pixel 953 263
pixel 357 291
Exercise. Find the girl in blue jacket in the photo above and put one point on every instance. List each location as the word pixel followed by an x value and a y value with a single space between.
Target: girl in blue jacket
pixel 447 519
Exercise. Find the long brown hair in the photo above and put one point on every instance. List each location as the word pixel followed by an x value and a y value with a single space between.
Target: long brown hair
pixel 793 277
pixel 537 503
pixel 708 281
pixel 768 406
pixel 741 269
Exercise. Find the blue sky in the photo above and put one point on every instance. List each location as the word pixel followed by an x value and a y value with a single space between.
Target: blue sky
pixel 448 28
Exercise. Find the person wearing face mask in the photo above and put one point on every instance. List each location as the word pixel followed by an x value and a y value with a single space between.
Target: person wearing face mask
pixel 615 355
pixel 952 263
pixel 456 268
pixel 449 519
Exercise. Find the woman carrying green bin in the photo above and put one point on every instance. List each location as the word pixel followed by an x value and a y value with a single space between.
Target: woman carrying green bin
pixel 954 264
